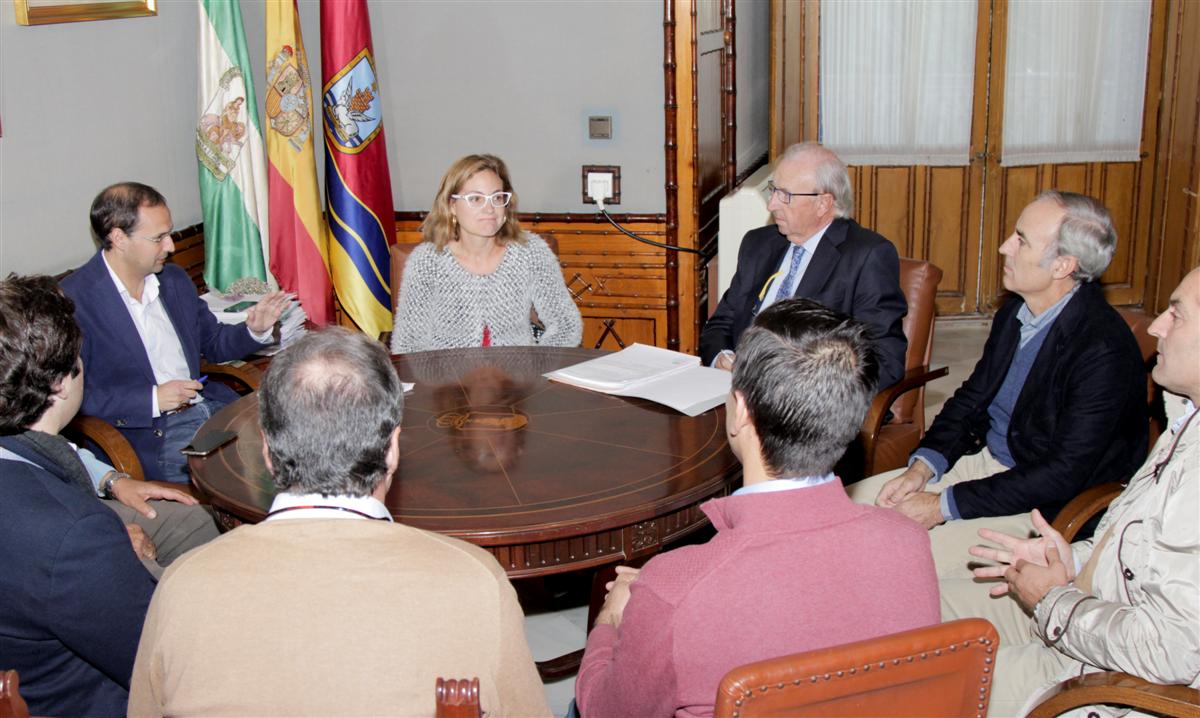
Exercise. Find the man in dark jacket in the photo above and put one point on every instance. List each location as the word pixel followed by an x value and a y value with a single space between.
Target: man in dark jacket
pixel 72 592
pixel 813 251
pixel 1056 404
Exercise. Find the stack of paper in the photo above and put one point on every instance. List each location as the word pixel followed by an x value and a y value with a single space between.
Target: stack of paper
pixel 670 378
pixel 231 309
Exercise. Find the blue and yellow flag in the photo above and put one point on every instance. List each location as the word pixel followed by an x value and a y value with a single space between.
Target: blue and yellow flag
pixel 358 189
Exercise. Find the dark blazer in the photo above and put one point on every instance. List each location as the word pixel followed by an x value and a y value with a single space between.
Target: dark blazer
pixel 72 594
pixel 117 373
pixel 854 271
pixel 1079 421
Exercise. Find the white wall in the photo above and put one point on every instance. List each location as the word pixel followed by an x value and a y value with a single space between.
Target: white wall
pixel 87 104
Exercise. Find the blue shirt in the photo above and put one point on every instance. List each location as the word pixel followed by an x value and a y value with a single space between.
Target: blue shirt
pixel 1033 334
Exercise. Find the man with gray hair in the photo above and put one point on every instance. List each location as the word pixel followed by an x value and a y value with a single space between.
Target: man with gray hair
pixel 1056 404
pixel 295 615
pixel 794 565
pixel 816 251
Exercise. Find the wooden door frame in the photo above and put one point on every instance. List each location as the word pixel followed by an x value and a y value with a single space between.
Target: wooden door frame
pixel 681 150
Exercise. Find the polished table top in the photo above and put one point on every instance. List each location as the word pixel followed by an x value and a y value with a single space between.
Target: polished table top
pixel 547 476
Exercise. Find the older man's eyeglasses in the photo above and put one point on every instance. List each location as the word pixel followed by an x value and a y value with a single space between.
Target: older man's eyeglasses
pixel 783 195
pixel 476 200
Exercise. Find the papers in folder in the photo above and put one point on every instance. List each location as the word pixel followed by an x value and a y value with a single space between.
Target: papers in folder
pixel 670 378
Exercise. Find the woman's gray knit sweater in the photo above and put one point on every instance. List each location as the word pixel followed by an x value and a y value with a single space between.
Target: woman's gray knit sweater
pixel 443 306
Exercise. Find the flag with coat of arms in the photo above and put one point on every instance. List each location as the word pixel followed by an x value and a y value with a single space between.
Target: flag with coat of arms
pixel 299 245
pixel 358 188
pixel 229 149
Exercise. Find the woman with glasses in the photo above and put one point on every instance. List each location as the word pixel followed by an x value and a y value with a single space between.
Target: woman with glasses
pixel 475 278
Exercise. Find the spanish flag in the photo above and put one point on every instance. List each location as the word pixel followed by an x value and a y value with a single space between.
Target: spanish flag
pixel 299 244
pixel 358 189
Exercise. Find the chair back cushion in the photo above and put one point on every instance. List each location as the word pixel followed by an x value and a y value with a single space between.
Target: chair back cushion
pixel 919 282
pixel 940 670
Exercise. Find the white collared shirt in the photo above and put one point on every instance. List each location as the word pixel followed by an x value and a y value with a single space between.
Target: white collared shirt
pixel 159 339
pixel 810 248
pixel 789 484
pixel 317 506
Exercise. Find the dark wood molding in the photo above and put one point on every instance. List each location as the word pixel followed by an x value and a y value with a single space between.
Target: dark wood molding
pixel 751 169
pixel 671 170
pixel 729 96
pixel 562 217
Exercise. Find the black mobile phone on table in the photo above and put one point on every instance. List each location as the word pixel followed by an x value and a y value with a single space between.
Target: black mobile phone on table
pixel 208 443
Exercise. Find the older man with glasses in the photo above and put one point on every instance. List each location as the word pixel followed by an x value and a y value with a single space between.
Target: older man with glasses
pixel 815 251
pixel 144 331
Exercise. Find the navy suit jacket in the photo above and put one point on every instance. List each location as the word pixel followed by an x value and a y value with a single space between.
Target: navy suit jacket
pixel 1080 419
pixel 72 594
pixel 117 372
pixel 854 271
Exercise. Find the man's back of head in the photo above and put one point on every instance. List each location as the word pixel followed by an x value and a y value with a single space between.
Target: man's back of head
pixel 330 406
pixel 327 579
pixel 39 347
pixel 807 375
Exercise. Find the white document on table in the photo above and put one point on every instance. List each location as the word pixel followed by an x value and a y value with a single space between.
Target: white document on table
pixel 663 376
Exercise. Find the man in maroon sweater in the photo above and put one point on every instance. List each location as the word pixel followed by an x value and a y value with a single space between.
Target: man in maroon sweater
pixel 795 565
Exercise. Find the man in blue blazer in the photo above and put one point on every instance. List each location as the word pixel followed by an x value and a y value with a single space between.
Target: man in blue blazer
pixel 73 595
pixel 145 329
pixel 815 251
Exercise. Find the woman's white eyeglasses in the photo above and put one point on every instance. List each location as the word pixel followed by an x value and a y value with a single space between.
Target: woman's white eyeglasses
pixel 476 200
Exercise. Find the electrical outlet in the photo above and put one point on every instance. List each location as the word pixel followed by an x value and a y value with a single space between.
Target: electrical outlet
pixel 603 181
pixel 599 185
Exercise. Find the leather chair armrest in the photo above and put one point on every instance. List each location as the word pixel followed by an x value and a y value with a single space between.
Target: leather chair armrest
pixel 1083 507
pixel 1121 689
pixel 912 379
pixel 242 378
pixel 115 446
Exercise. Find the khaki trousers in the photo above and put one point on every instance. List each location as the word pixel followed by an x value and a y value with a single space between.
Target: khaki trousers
pixel 176 529
pixel 951 540
pixel 1024 664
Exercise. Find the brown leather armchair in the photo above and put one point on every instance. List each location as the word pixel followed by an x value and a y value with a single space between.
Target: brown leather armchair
pixel 940 670
pixel 881 444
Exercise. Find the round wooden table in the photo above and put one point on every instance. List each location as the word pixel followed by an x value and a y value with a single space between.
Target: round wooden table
pixel 547 477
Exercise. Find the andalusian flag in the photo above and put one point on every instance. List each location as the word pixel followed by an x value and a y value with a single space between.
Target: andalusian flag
pixel 233 172
pixel 299 254
pixel 358 190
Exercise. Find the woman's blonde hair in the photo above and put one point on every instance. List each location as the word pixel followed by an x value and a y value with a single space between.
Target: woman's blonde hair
pixel 440 226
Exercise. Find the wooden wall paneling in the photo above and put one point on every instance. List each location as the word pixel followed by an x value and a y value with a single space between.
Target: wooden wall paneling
pixel 1175 226
pixel 948 233
pixel 795 42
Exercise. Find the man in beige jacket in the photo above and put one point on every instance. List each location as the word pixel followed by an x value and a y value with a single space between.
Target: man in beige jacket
pixel 1125 600
pixel 327 607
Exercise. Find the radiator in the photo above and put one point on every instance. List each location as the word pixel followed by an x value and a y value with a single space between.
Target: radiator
pixel 741 210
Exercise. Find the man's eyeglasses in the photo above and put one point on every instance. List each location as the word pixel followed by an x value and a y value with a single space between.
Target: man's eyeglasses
pixel 157 240
pixel 785 196
pixel 476 200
